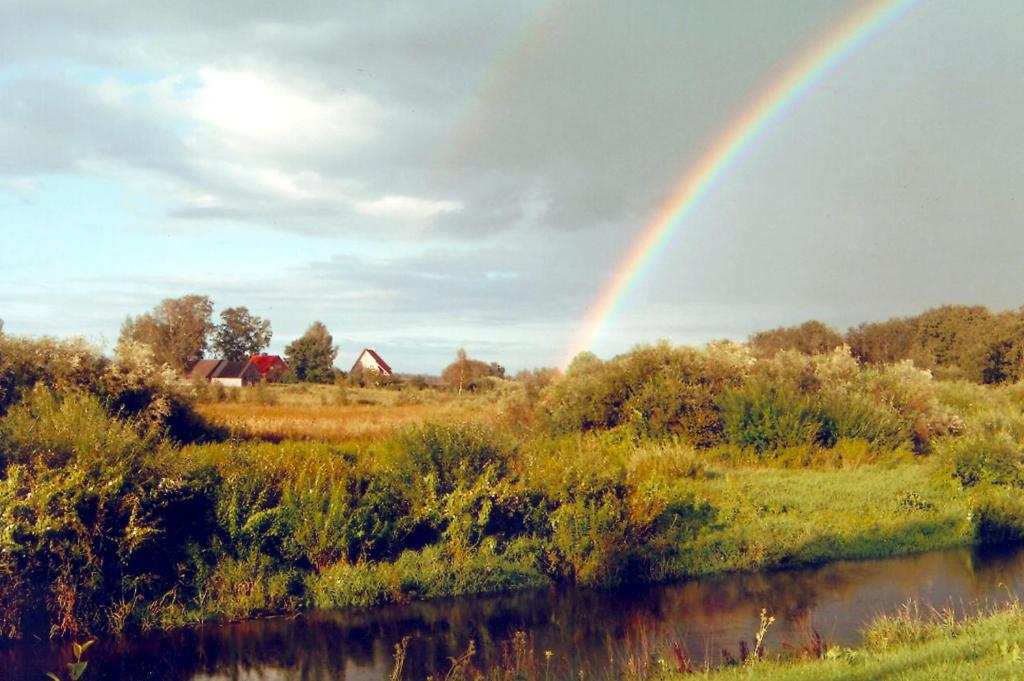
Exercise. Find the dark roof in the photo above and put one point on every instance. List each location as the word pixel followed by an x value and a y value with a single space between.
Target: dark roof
pixel 377 358
pixel 203 368
pixel 230 369
pixel 383 365
pixel 266 362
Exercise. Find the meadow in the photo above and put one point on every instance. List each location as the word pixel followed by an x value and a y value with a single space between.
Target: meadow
pixel 330 413
pixel 132 501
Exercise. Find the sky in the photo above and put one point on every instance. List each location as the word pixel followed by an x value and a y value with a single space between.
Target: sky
pixel 429 176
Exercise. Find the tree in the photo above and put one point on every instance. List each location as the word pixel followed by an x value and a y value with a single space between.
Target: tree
pixel 466 373
pixel 810 338
pixel 883 342
pixel 311 356
pixel 177 330
pixel 241 335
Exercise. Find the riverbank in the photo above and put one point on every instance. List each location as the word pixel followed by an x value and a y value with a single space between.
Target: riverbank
pixel 751 519
pixel 908 647
pixel 603 633
pixel 177 536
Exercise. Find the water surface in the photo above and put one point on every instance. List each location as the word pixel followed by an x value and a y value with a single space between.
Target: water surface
pixel 588 630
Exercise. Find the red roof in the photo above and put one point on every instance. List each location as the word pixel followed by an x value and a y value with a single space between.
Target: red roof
pixel 376 358
pixel 267 362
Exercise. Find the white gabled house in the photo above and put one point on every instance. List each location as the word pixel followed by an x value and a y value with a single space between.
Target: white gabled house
pixel 368 365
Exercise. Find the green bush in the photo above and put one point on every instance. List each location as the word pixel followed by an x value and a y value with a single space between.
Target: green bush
pixel 766 417
pixel 450 453
pixel 855 417
pixel 89 521
pixel 999 517
pixel 252 585
pixel 658 390
pixel 668 405
pixel 993 458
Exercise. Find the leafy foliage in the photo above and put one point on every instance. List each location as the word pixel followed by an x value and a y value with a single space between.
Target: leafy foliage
pixel 810 338
pixel 311 356
pixel 90 521
pixel 240 335
pixel 177 330
pixel 470 374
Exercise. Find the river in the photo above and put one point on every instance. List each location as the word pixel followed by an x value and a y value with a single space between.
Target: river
pixel 583 629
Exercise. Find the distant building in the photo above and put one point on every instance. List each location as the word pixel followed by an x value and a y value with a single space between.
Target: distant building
pixel 271 367
pixel 369 365
pixel 226 372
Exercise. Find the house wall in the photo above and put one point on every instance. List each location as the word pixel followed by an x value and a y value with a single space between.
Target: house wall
pixel 368 363
pixel 229 382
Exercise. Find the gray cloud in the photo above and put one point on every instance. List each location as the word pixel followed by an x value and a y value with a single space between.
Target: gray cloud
pixel 517 149
pixel 559 109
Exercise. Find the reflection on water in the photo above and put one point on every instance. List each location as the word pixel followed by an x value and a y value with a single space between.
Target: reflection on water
pixel 583 629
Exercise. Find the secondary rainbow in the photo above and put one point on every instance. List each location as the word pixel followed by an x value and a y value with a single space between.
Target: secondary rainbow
pixel 853 31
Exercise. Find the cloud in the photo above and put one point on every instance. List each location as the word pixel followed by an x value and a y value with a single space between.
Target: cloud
pixel 334 119
pixel 407 208
pixel 489 164
pixel 253 114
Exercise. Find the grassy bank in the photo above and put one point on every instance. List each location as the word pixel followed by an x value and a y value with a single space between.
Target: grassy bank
pixel 122 509
pixel 909 648
pixel 911 645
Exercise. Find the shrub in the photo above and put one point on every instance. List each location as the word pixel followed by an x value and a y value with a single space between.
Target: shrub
pixel 993 458
pixel 659 390
pixel 451 453
pixel 669 461
pixel 765 416
pixel 668 405
pixel 50 432
pixel 253 585
pixel 1000 518
pixel 858 418
pixel 89 522
pixel 588 396
pixel 589 535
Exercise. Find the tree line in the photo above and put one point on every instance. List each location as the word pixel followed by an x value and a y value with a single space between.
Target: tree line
pixel 181 331
pixel 967 342
pixel 953 341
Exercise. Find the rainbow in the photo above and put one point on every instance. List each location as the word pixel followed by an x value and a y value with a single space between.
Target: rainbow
pixel 511 66
pixel 853 31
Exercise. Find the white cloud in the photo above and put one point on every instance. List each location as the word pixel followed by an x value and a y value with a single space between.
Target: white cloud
pixel 408 208
pixel 251 112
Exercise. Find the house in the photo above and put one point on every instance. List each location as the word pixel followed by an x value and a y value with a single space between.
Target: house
pixel 369 365
pixel 226 372
pixel 271 367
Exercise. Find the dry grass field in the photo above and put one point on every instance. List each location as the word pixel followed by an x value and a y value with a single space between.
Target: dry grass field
pixel 335 413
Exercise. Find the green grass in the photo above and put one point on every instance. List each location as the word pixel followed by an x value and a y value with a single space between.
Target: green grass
pixel 982 648
pixel 769 518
